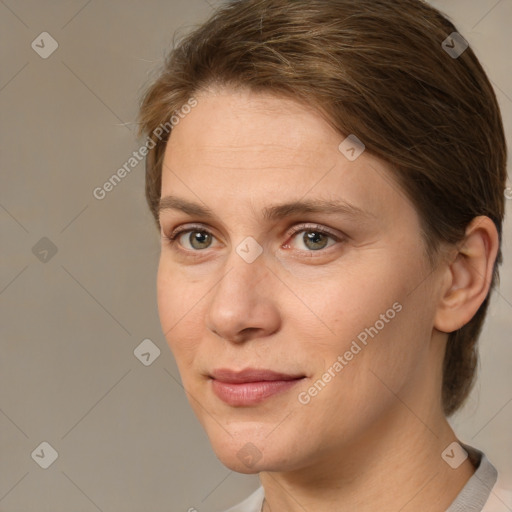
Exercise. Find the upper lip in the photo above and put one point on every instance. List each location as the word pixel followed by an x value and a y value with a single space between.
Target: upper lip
pixel 250 375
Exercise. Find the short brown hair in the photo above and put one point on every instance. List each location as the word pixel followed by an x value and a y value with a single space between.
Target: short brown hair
pixel 376 69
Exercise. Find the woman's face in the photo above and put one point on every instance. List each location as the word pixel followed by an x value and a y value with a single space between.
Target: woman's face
pixel 342 298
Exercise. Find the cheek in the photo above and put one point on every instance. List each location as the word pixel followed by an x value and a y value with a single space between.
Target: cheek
pixel 351 394
pixel 345 304
pixel 167 301
pixel 371 319
pixel 176 312
pixel 175 296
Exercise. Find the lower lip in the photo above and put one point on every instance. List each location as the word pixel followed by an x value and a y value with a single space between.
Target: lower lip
pixel 249 393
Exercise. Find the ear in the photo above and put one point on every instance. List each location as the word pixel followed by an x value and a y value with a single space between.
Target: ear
pixel 468 277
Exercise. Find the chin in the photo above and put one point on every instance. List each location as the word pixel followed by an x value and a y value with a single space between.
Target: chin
pixel 247 456
pixel 235 465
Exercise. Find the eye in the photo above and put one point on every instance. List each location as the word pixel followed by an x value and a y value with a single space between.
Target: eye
pixel 314 239
pixel 196 239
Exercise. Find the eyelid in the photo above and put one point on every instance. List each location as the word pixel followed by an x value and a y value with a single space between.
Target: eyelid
pixel 312 227
pixel 191 227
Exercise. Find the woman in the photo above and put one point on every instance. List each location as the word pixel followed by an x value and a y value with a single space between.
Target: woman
pixel 330 204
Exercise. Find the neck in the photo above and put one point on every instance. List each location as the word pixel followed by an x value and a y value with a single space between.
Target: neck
pixel 394 465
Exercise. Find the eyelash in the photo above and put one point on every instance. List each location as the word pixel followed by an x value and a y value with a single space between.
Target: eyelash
pixel 171 239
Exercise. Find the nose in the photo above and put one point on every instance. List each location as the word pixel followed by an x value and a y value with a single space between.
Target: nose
pixel 243 304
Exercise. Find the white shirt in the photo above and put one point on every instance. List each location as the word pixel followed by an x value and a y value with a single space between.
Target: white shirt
pixel 485 491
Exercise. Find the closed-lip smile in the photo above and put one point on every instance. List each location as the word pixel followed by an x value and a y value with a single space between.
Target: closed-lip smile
pixel 250 386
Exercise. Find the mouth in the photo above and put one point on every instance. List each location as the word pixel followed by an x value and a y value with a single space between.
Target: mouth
pixel 250 386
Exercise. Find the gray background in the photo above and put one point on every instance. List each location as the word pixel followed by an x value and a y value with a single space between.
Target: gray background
pixel 126 437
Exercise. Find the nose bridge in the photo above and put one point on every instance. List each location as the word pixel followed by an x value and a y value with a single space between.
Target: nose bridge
pixel 245 268
pixel 240 300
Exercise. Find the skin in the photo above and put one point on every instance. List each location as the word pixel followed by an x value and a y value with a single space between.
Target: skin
pixel 374 435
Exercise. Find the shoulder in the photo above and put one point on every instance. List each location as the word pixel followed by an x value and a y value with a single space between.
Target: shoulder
pixel 251 504
pixel 489 483
pixel 500 498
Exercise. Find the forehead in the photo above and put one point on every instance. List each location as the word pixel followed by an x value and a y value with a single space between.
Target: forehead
pixel 266 128
pixel 247 147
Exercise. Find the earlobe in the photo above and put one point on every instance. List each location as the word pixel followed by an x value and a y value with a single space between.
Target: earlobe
pixel 468 277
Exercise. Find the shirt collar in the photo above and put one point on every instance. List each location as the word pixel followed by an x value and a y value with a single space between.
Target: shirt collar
pixel 478 488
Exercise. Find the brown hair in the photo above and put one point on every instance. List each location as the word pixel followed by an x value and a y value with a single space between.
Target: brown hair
pixel 376 69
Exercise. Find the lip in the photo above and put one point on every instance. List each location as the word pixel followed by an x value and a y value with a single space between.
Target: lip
pixel 250 386
pixel 250 375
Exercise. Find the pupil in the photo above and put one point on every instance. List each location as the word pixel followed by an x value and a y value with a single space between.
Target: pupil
pixel 313 236
pixel 197 236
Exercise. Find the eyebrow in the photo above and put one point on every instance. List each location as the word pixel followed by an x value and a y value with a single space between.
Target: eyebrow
pixel 272 212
